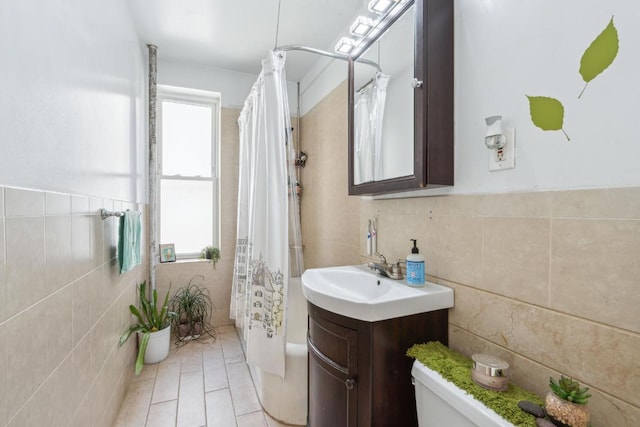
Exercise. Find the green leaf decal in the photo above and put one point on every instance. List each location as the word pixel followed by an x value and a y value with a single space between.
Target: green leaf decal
pixel 599 55
pixel 547 113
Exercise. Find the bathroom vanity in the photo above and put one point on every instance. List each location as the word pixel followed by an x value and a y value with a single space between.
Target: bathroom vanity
pixel 359 329
pixel 359 374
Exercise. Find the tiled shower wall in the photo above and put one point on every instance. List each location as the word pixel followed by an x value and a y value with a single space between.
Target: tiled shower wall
pixel 549 281
pixel 63 305
pixel 329 217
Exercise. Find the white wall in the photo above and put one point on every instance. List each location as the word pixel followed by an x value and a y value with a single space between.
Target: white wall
pixel 505 50
pixel 233 86
pixel 71 110
pixel 324 76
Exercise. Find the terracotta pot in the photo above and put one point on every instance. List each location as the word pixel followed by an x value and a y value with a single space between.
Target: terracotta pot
pixel 197 328
pixel 184 330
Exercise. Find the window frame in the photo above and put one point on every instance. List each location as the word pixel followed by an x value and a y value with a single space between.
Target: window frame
pixel 200 98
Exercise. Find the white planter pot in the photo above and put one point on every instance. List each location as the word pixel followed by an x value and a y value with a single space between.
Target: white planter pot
pixel 158 345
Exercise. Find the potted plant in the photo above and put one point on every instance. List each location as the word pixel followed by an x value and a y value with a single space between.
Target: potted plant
pixel 153 328
pixel 192 306
pixel 211 253
pixel 566 403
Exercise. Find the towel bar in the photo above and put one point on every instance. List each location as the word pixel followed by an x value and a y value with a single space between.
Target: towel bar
pixel 104 214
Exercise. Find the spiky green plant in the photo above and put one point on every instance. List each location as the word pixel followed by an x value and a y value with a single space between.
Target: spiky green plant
pixel 193 307
pixel 150 319
pixel 569 390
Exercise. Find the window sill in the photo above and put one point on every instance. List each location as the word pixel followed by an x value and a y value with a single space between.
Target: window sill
pixel 186 261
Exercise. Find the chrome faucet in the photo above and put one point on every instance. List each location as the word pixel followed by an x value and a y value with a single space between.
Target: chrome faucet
pixel 392 271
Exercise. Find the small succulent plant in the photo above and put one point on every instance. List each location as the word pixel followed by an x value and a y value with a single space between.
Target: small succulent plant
pixel 569 390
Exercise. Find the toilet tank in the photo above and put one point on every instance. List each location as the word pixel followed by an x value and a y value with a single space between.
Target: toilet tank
pixel 441 403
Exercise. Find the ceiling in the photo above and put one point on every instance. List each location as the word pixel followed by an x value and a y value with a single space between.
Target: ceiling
pixel 237 34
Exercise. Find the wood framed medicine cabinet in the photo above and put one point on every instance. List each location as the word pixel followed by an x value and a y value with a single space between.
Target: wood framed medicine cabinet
pixel 432 123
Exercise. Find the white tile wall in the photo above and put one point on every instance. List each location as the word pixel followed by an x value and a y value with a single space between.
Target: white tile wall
pixel 80 205
pixel 25 261
pixel 57 204
pixel 62 307
pixel 19 202
pixel 3 286
pixel 3 376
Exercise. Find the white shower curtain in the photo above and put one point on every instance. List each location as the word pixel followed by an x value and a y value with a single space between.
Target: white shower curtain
pixel 363 167
pixel 377 118
pixel 369 117
pixel 268 249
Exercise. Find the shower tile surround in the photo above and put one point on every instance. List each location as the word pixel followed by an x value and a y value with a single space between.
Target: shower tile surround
pixel 63 305
pixel 329 217
pixel 547 280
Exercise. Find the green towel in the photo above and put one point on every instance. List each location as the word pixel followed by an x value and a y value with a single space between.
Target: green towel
pixel 129 241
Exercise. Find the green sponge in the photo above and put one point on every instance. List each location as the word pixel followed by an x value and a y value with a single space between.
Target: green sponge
pixel 456 368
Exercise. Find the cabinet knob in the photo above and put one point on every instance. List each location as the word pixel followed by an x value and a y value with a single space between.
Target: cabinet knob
pixel 349 383
pixel 415 83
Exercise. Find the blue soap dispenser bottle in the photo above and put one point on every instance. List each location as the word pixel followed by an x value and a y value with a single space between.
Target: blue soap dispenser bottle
pixel 415 266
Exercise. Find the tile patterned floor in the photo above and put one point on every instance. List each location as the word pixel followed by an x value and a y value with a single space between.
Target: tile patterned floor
pixel 199 384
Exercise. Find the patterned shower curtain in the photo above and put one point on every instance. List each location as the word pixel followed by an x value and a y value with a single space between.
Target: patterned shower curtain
pixel 268 249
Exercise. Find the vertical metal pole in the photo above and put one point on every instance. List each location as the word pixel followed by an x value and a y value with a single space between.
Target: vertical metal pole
pixel 153 165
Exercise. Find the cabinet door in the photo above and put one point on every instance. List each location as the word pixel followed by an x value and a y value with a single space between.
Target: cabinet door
pixel 338 343
pixel 333 374
pixel 333 393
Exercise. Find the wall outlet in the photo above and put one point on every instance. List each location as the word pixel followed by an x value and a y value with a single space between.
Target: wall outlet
pixel 504 158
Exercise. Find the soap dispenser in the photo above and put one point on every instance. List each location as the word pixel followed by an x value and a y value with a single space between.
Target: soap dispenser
pixel 415 266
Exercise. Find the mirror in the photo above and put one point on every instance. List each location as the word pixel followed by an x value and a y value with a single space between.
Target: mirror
pixel 383 106
pixel 400 135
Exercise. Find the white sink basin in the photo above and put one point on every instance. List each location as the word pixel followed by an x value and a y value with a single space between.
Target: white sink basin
pixel 358 292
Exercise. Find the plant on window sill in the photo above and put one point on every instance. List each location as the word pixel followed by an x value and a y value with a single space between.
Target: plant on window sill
pixel 211 253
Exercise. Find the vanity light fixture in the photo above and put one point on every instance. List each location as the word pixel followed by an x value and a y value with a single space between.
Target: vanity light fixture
pixel 366 29
pixel 361 26
pixel 345 45
pixel 381 7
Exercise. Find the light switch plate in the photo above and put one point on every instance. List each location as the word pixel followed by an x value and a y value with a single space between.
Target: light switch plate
pixel 505 158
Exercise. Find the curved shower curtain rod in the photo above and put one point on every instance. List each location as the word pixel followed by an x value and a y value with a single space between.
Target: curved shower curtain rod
pixel 325 53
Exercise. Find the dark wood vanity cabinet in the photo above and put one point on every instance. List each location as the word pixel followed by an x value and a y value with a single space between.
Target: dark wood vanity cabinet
pixel 359 374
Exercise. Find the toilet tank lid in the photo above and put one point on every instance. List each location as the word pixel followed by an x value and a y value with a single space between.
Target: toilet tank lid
pixel 459 399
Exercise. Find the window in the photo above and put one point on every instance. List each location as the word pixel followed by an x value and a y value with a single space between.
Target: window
pixel 188 169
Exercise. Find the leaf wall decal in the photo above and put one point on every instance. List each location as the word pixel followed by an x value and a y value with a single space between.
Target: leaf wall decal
pixel 547 113
pixel 600 54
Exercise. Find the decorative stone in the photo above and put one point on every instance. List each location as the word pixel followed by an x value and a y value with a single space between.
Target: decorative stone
pixel 542 422
pixel 532 408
